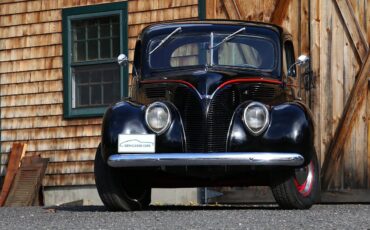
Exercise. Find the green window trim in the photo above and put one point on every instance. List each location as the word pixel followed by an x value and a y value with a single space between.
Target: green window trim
pixel 85 12
pixel 202 9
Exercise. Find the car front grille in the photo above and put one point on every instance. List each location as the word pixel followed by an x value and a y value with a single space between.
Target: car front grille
pixel 259 92
pixel 189 106
pixel 155 92
pixel 219 116
pixel 206 132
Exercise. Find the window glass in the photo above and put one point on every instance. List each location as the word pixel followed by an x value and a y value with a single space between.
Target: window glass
pixel 239 54
pixel 95 39
pixel 185 55
pixel 290 59
pixel 244 51
pixel 96 83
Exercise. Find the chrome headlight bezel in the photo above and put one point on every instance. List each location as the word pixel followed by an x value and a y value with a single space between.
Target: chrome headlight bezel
pixel 169 118
pixel 265 123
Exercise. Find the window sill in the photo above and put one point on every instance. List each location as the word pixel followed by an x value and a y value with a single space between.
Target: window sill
pixel 85 112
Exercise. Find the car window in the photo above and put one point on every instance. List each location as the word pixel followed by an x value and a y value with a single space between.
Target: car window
pixel 289 55
pixel 186 55
pixel 245 51
pixel 236 54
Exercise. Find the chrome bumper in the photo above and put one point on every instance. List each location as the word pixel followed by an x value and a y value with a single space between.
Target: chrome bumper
pixel 198 159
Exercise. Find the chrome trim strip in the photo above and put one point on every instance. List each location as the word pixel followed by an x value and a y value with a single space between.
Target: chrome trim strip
pixel 182 159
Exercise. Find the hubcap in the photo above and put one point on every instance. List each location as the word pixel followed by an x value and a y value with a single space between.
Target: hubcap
pixel 303 179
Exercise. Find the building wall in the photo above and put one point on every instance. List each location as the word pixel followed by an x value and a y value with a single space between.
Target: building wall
pixel 318 30
pixel 31 86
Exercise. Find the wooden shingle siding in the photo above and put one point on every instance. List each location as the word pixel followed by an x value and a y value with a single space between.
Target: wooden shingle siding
pixel 31 111
pixel 50 133
pixel 33 87
pixel 31 81
pixel 69 179
pixel 44 122
pixel 30 29
pixel 48 98
pixel 31 76
pixel 30 41
pixel 59 144
pixel 31 53
pixel 31 64
pixel 75 155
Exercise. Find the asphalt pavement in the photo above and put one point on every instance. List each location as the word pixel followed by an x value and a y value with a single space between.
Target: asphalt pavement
pixel 188 217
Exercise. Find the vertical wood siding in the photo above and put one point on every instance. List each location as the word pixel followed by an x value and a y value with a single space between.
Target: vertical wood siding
pixel 319 30
pixel 31 87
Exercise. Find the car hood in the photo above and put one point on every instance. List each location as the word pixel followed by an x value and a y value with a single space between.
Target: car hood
pixel 206 81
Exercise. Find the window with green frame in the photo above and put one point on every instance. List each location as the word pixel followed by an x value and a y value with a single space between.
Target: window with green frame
pixel 93 36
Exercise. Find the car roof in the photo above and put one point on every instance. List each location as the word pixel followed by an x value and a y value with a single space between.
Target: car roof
pixel 196 23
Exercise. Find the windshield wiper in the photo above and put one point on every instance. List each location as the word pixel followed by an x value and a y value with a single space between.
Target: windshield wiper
pixel 230 36
pixel 165 39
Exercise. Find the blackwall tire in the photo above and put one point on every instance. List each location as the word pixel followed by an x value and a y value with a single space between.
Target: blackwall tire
pixel 112 190
pixel 289 193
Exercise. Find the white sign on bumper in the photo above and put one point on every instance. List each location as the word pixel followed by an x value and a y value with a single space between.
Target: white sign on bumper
pixel 136 143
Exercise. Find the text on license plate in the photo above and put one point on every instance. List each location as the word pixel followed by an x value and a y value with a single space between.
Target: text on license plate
pixel 136 143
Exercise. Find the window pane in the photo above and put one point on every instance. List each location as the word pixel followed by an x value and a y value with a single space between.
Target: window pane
pixel 83 77
pixel 96 95
pixel 104 20
pixel 185 55
pixel 95 76
pixel 104 30
pixel 108 76
pixel 111 92
pixel 92 49
pixel 115 47
pixel 96 85
pixel 115 19
pixel 79 51
pixel 98 38
pixel 105 48
pixel 92 30
pixel 80 33
pixel 115 30
pixel 82 96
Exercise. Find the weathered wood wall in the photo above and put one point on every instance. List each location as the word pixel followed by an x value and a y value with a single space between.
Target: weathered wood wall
pixel 31 82
pixel 336 73
pixel 319 30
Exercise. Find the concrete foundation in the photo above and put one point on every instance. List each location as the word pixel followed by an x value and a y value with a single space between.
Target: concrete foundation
pixel 88 195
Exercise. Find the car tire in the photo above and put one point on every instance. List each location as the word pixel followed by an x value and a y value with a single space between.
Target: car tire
pixel 291 191
pixel 115 194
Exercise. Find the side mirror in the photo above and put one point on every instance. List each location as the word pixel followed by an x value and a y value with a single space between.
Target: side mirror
pixel 122 59
pixel 303 59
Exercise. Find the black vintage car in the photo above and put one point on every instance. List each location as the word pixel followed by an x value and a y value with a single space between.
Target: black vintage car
pixel 211 105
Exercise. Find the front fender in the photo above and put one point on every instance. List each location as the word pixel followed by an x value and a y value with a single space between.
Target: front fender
pixel 290 130
pixel 127 117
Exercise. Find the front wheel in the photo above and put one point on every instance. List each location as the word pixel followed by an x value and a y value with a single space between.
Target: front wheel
pixel 298 188
pixel 119 191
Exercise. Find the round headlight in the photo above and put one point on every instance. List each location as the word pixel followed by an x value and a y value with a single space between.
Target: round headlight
pixel 256 117
pixel 158 117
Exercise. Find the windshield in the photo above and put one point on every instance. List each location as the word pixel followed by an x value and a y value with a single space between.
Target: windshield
pixel 194 49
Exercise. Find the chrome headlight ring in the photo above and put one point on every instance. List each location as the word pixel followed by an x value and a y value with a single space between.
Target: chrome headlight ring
pixel 256 118
pixel 158 117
